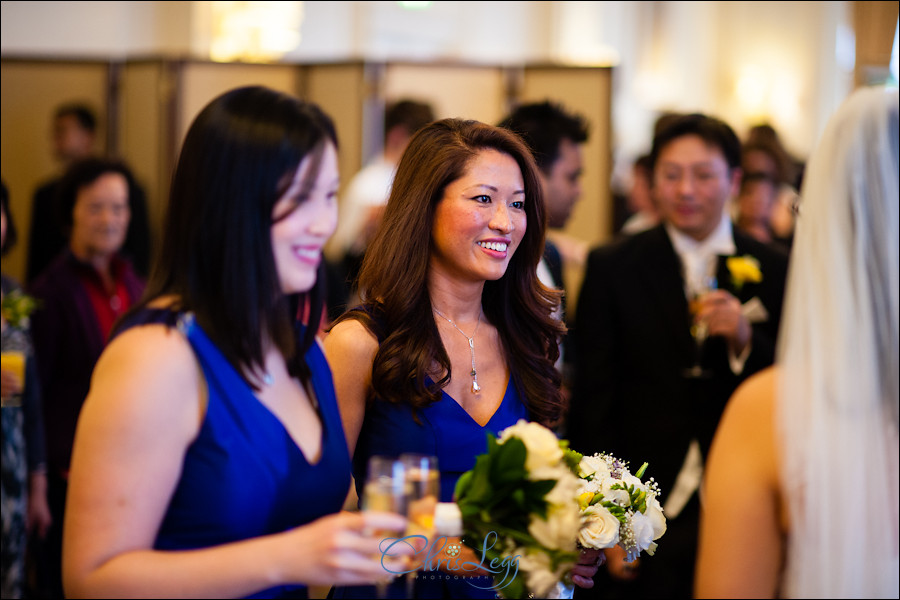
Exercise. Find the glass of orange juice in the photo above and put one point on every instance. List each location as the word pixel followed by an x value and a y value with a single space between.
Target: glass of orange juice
pixel 15 363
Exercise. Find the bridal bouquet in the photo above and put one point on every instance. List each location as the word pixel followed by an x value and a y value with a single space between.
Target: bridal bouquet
pixel 520 510
pixel 618 508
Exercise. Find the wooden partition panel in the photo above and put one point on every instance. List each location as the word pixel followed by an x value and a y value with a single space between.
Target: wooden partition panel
pixel 145 90
pixel 585 90
pixel 153 102
pixel 159 99
pixel 342 90
pixel 464 91
pixel 30 91
pixel 200 82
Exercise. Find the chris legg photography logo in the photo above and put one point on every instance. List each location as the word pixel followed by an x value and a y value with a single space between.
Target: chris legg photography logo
pixel 438 554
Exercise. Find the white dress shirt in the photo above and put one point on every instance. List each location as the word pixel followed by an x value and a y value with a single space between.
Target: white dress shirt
pixel 699 260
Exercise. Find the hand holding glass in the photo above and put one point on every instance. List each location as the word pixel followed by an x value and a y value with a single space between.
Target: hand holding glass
pixel 699 327
pixel 13 365
pixel 387 490
pixel 425 486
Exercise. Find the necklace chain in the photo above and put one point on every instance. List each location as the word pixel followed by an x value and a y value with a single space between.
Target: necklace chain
pixel 474 373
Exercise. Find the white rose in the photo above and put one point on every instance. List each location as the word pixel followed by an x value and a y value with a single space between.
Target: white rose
pixel 589 486
pixel 620 497
pixel 559 530
pixel 538 576
pixel 566 489
pixel 642 529
pixel 629 479
pixel 600 528
pixel 656 517
pixel 541 443
pixel 593 465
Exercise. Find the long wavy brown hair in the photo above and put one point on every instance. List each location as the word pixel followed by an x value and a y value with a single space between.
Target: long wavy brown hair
pixel 393 277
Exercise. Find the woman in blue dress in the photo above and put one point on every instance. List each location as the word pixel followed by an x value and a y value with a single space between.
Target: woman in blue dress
pixel 209 458
pixel 455 337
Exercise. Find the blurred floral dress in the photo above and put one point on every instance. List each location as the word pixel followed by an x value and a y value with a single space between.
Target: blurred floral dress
pixel 14 480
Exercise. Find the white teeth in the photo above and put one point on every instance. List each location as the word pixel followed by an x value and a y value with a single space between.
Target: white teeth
pixel 306 253
pixel 496 246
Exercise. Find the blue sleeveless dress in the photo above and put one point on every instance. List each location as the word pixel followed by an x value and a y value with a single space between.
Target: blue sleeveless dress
pixel 448 432
pixel 244 476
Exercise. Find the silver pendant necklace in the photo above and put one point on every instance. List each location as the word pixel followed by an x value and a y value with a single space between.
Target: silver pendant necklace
pixel 475 387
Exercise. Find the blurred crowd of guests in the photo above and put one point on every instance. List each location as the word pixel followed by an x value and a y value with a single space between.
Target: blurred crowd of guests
pixel 698 203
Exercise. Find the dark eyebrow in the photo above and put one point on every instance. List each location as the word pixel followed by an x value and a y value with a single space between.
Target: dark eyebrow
pixel 492 188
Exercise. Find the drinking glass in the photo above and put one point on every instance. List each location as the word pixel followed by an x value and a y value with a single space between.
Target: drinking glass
pixel 14 361
pixel 425 492
pixel 386 489
pixel 699 328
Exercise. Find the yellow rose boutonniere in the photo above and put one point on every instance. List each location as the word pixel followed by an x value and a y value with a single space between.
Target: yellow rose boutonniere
pixel 17 307
pixel 743 269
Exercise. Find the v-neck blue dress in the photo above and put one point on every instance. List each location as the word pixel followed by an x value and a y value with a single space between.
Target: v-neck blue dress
pixel 244 476
pixel 456 439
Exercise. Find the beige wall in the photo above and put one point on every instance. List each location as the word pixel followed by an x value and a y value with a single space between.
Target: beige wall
pixel 30 91
pixel 143 132
pixel 586 91
pixel 155 100
pixel 460 91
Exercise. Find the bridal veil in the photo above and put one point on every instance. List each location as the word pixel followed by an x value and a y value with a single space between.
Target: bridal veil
pixel 838 349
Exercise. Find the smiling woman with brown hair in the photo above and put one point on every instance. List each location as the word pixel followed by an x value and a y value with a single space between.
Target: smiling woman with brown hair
pixel 455 337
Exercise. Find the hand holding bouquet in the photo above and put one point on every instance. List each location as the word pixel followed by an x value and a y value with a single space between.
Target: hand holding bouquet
pixel 520 510
pixel 617 507
pixel 530 501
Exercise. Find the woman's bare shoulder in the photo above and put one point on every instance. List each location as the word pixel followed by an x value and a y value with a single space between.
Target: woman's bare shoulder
pixel 753 403
pixel 148 368
pixel 350 338
pixel 747 428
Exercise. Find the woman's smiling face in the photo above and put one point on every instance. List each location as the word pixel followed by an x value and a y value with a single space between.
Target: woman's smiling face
pixel 481 220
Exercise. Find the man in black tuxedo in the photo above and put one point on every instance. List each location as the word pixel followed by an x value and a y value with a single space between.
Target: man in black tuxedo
pixel 635 393
pixel 556 138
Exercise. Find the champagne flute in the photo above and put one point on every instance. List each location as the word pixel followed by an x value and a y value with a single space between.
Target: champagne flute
pixel 425 492
pixel 699 327
pixel 386 489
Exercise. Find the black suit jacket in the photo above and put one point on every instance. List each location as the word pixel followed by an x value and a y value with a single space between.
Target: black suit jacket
pixel 633 343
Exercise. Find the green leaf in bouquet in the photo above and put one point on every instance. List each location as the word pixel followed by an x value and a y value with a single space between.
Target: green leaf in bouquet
pixel 638 499
pixel 516 589
pixel 641 471
pixel 517 498
pixel 478 488
pixel 462 485
pixel 508 465
pixel 535 496
pixel 571 457
pixel 614 509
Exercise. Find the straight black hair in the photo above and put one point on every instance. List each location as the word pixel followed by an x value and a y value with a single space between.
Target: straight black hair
pixel 239 157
